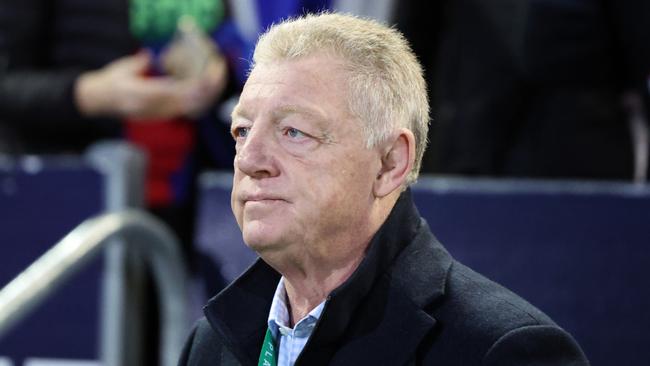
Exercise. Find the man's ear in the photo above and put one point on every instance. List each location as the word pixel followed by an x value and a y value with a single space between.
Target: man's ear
pixel 397 159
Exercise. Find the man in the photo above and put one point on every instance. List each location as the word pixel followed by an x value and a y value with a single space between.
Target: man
pixel 330 131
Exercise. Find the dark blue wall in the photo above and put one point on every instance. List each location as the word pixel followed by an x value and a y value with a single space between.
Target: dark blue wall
pixel 41 202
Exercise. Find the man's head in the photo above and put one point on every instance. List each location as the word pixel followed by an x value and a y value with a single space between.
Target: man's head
pixel 385 85
pixel 327 129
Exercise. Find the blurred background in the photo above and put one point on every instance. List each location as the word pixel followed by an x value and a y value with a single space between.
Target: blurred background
pixel 116 113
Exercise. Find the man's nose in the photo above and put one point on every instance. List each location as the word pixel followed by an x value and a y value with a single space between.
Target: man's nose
pixel 256 156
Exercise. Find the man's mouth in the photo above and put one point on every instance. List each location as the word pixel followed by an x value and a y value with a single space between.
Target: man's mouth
pixel 262 198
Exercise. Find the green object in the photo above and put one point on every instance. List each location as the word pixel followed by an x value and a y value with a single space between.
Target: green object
pixel 269 354
pixel 155 20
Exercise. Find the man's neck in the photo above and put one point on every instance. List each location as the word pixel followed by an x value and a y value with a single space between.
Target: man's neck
pixel 311 277
pixel 305 291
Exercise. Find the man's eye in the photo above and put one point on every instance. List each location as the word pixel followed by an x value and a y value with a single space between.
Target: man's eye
pixel 241 132
pixel 294 133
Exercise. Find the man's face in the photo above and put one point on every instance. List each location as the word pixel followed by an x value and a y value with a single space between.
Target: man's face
pixel 303 177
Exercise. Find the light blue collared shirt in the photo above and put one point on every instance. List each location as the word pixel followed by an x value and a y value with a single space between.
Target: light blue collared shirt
pixel 292 341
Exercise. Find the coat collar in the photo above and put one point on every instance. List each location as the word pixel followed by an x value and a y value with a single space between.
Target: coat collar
pixel 374 317
pixel 239 313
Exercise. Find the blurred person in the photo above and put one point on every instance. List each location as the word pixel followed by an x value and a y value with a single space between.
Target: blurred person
pixel 73 72
pixel 531 88
pixel 70 69
pixel 330 130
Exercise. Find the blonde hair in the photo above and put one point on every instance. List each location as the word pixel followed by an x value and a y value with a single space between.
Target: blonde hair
pixel 387 89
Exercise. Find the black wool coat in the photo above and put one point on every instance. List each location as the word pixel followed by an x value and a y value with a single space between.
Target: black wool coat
pixel 408 303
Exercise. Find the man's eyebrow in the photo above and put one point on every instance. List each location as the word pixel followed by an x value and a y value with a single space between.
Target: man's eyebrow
pixel 237 112
pixel 282 111
pixel 289 109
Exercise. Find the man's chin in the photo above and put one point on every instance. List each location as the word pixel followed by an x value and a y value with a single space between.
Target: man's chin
pixel 261 242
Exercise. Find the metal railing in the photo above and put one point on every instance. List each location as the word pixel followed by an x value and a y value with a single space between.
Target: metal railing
pixel 156 244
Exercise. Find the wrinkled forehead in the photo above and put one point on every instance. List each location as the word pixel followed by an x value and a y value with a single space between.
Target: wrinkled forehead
pixel 314 83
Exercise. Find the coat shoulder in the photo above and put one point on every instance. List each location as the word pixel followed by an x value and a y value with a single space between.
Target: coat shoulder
pixel 485 305
pixel 479 321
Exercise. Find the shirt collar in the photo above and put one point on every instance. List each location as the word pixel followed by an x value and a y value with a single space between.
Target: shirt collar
pixel 279 313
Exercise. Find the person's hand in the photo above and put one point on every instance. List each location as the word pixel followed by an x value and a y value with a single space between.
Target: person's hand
pixel 207 85
pixel 119 89
pixel 193 57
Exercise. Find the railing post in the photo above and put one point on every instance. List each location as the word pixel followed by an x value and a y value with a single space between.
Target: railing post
pixel 122 334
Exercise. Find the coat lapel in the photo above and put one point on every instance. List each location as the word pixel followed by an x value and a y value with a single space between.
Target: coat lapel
pixel 377 316
pixel 388 332
pixel 239 313
pixel 393 322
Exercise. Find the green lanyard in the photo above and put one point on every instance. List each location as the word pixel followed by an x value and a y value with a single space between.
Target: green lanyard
pixel 269 354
